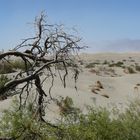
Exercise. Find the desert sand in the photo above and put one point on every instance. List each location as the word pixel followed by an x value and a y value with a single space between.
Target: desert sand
pixel 103 84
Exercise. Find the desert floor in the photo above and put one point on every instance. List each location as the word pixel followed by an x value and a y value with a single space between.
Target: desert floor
pixel 107 80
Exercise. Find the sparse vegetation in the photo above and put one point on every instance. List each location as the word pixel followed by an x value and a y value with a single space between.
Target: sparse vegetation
pixel 118 64
pixel 105 62
pixel 5 67
pixel 20 64
pixel 92 65
pixel 95 125
pixel 11 66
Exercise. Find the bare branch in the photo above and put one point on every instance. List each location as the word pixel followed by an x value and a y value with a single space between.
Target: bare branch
pixel 51 47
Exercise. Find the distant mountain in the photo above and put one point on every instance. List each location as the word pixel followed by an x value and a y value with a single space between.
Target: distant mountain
pixel 124 45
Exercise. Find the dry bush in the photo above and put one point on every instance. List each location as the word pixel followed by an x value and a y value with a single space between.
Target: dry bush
pixel 51 53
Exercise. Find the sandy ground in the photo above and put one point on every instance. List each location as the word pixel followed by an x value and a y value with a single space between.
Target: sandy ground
pixel 119 85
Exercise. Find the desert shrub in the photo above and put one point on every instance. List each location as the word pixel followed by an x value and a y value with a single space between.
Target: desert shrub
pixel 137 68
pixel 66 106
pixel 118 64
pixel 124 60
pixel 20 64
pixel 21 125
pixel 9 67
pixel 92 65
pixel 86 127
pixel 3 79
pixel 105 62
pixel 5 67
pixel 97 124
pixel 131 70
pixel 111 65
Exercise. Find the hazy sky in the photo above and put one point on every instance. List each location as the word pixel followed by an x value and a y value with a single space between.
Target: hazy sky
pixel 105 25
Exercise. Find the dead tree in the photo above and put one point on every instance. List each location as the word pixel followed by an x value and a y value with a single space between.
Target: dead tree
pixel 50 48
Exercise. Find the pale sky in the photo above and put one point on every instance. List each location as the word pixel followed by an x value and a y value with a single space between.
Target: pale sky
pixel 104 25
